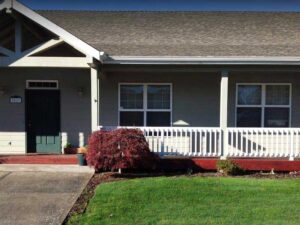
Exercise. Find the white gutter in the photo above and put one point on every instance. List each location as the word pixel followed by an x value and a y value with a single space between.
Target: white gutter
pixel 127 60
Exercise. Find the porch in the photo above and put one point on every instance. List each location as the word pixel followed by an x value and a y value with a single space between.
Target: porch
pixel 240 112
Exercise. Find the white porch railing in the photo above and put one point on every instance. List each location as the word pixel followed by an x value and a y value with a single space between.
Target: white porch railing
pixel 210 142
pixel 184 141
pixel 263 142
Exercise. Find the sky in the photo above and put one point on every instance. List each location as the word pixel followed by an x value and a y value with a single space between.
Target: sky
pixel 167 5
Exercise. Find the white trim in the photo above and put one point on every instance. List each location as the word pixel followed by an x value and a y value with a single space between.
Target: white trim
pixel 6 4
pixel 200 60
pixel 56 62
pixel 224 99
pixel 263 104
pixel 65 35
pixel 94 99
pixel 42 81
pixel 145 106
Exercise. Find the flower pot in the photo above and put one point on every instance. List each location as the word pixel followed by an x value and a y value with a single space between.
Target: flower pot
pixel 70 150
pixel 81 160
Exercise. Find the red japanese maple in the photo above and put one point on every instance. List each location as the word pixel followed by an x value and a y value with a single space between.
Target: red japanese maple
pixel 120 149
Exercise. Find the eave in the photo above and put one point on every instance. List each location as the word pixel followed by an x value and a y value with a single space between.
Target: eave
pixel 185 60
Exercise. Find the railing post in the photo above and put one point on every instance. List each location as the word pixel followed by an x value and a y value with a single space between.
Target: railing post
pixel 291 156
pixel 224 153
pixel 162 144
pixel 81 139
pixel 64 141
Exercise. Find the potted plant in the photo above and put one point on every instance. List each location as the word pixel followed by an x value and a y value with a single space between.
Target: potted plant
pixel 81 153
pixel 69 149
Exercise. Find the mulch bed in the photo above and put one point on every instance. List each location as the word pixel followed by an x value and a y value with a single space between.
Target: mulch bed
pixel 98 178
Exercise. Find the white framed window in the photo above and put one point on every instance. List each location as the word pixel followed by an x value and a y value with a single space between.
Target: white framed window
pixel 147 104
pixel 42 84
pixel 263 105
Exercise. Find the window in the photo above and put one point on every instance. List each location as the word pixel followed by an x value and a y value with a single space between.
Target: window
pixel 145 105
pixel 263 105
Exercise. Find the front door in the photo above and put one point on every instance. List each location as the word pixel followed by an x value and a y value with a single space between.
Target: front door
pixel 43 121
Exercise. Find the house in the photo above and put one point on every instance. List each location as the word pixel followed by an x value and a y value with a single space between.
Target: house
pixel 209 84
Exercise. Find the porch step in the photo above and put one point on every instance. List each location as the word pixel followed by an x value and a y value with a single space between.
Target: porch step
pixel 39 159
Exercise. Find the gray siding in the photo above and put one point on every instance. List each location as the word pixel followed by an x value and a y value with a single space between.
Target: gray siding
pixel 75 110
pixel 266 77
pixel 195 94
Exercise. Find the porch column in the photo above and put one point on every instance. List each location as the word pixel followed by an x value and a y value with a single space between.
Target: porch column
pixel 94 98
pixel 224 111
pixel 224 99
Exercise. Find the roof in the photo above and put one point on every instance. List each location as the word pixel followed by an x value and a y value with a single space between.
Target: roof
pixel 15 7
pixel 203 34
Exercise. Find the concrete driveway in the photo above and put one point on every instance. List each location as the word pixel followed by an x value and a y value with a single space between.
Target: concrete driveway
pixel 38 197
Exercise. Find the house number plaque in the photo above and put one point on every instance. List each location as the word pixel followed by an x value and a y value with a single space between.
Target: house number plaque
pixel 15 100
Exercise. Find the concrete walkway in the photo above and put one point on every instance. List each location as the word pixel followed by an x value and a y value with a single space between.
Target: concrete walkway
pixel 31 195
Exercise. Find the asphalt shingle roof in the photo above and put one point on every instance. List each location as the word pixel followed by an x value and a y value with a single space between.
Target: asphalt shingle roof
pixel 184 33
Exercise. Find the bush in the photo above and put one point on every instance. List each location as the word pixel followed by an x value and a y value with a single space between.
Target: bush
pixel 228 167
pixel 120 149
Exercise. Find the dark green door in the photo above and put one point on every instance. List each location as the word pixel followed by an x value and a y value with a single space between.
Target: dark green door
pixel 43 121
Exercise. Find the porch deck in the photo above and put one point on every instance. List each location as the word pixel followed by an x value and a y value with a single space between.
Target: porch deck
pixel 170 163
pixel 39 159
pixel 248 164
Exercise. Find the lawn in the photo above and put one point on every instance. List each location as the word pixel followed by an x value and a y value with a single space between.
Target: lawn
pixel 194 200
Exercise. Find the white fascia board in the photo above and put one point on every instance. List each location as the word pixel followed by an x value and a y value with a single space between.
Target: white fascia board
pixel 6 4
pixel 46 62
pixel 204 60
pixel 63 34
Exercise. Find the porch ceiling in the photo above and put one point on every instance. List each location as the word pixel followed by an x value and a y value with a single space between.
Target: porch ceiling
pixel 7 33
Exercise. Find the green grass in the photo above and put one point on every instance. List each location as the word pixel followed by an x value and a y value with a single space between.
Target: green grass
pixel 184 200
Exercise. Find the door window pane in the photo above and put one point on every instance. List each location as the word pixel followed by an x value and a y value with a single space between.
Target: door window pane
pixel 277 94
pixel 249 117
pixel 131 118
pixel 158 97
pixel 161 119
pixel 131 97
pixel 249 94
pixel 277 117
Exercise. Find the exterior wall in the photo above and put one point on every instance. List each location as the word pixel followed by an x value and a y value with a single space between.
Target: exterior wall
pixel 196 100
pixel 75 109
pixel 195 96
pixel 265 77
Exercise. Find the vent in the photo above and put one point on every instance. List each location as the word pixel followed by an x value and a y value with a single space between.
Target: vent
pixel 42 84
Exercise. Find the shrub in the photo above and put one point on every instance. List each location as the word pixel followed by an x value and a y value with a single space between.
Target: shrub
pixel 69 149
pixel 228 167
pixel 68 145
pixel 120 149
